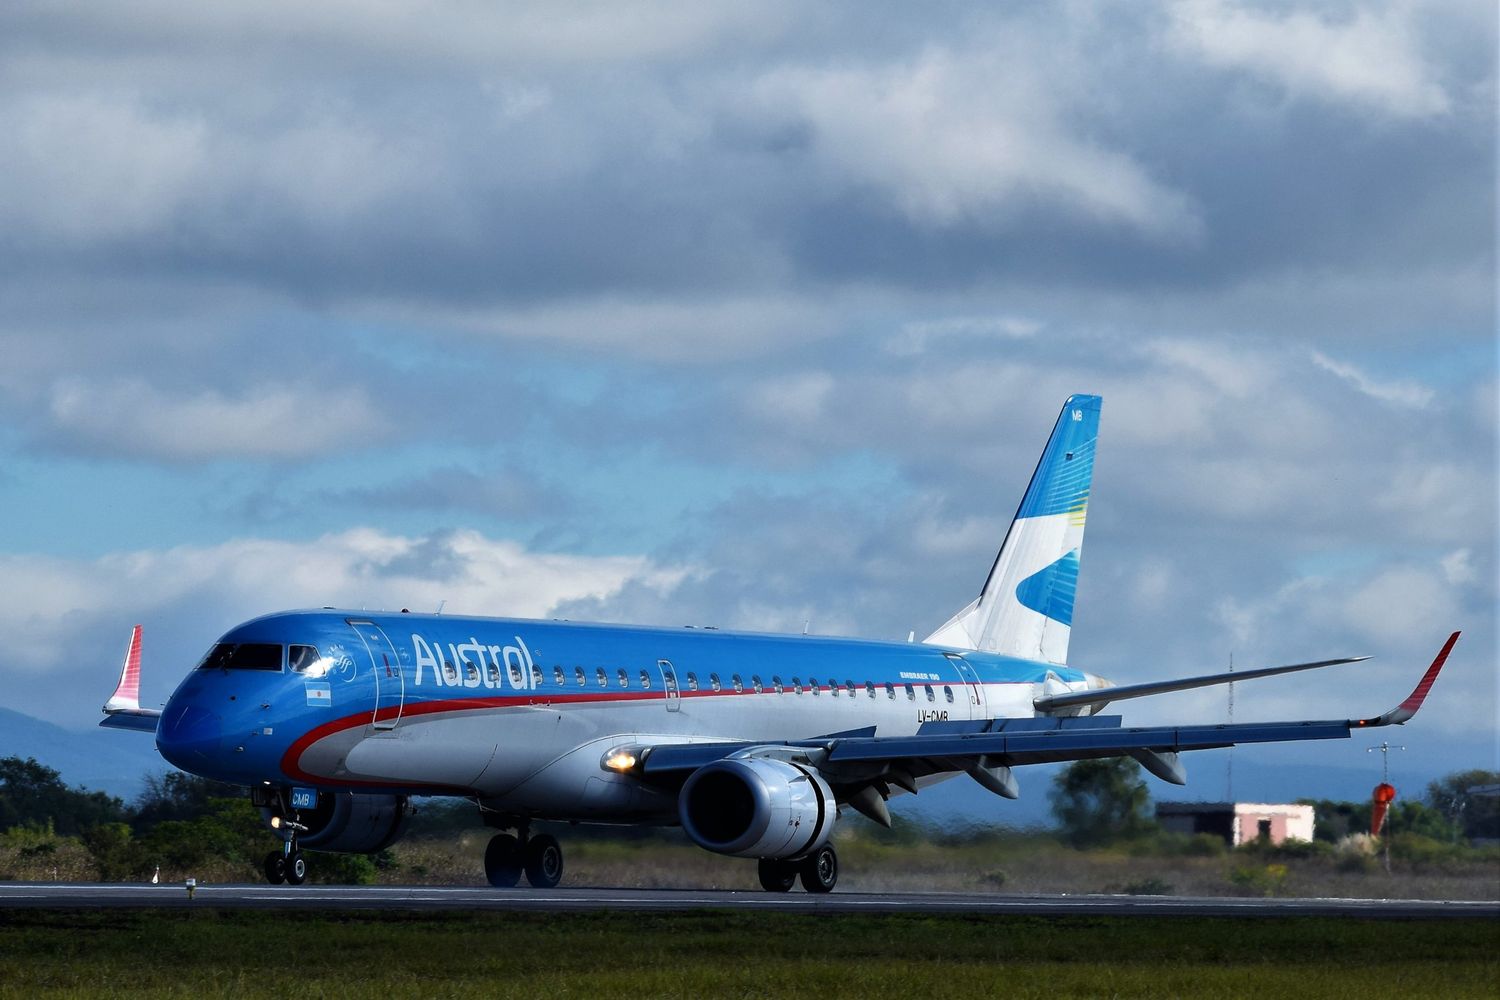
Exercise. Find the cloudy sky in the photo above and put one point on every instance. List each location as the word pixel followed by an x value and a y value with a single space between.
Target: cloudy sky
pixel 755 315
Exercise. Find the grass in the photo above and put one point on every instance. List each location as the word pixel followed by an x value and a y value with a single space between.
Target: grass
pixel 401 954
pixel 1005 863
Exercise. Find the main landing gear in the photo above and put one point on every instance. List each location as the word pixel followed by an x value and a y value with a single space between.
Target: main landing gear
pixel 508 856
pixel 819 872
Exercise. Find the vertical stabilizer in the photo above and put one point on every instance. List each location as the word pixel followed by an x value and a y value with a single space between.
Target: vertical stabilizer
pixel 1026 606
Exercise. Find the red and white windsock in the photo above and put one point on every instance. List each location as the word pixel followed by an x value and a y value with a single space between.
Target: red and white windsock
pixel 1384 795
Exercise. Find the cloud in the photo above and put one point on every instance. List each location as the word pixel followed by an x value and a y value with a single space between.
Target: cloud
pixel 1403 394
pixel 61 615
pixel 960 137
pixel 1371 59
pixel 129 416
pixel 918 336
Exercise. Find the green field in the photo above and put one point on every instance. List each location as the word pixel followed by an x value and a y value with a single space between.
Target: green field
pixel 298 955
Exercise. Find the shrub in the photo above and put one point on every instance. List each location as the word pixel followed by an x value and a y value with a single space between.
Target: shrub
pixel 1269 880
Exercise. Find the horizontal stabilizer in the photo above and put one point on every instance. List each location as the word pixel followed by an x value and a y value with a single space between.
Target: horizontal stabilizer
pixel 1103 696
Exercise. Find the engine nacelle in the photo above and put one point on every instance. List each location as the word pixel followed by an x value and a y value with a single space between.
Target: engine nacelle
pixel 353 822
pixel 757 807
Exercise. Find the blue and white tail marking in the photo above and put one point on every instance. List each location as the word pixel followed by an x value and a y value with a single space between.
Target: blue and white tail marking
pixel 1026 606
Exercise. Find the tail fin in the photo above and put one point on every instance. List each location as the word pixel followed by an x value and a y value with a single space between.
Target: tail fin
pixel 1026 606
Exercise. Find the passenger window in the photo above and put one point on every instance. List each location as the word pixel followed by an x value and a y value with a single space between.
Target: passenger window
pixel 558 677
pixel 797 684
pixel 776 683
pixel 948 693
pixel 739 685
pixel 755 680
pixel 812 682
pixel 515 675
pixel 692 680
pixel 578 673
pixel 890 692
pixel 870 688
pixel 849 686
pixel 603 678
pixel 645 679
pixel 911 694
pixel 624 680
pixel 306 660
pixel 471 671
pixel 494 673
pixel 536 676
pixel 713 679
pixel 450 671
pixel 930 695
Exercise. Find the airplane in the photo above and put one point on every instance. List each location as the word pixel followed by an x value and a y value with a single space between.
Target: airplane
pixel 754 743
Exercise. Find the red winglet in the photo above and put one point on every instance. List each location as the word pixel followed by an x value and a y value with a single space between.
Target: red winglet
pixel 1408 708
pixel 127 694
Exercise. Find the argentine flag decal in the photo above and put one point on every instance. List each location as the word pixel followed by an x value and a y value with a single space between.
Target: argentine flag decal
pixel 319 694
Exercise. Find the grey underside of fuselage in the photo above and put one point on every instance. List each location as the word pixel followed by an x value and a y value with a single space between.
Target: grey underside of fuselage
pixel 544 760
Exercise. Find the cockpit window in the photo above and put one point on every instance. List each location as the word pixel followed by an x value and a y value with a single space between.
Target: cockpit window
pixel 306 660
pixel 243 656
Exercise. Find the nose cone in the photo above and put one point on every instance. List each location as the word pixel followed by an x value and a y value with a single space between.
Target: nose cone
pixel 189 736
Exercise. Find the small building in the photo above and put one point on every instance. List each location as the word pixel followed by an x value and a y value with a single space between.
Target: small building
pixel 1238 822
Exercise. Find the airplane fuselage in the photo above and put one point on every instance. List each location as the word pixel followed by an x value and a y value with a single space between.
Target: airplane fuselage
pixel 521 713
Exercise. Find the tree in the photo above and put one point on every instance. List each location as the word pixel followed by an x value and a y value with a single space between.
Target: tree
pixel 1100 801
pixel 32 794
pixel 179 796
pixel 1474 815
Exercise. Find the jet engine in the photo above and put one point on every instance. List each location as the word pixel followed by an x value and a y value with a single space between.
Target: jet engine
pixel 353 822
pixel 757 807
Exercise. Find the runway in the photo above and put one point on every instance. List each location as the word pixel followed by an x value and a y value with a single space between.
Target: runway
pixel 92 896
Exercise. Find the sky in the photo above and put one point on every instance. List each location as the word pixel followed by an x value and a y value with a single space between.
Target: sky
pixel 757 316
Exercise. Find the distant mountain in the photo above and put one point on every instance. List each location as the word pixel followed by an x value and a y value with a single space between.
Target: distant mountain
pixel 98 759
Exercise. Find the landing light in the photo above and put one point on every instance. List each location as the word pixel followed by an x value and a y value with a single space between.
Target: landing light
pixel 276 822
pixel 620 760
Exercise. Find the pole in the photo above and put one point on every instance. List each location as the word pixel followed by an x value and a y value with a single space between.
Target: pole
pixel 1385 779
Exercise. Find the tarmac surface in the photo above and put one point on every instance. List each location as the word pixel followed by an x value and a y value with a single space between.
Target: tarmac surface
pixel 78 895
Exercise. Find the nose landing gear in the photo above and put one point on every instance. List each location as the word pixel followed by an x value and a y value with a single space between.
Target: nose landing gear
pixel 287 865
pixel 508 856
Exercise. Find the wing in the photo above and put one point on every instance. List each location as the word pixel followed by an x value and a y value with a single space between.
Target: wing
pixel 123 710
pixel 987 749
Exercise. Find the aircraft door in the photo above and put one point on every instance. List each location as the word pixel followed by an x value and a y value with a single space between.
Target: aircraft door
pixel 390 680
pixel 972 684
pixel 669 685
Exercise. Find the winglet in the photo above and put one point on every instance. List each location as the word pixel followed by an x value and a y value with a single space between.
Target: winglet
pixel 127 696
pixel 1408 708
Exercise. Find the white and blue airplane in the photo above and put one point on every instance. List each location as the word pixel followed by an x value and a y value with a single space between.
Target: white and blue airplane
pixel 754 743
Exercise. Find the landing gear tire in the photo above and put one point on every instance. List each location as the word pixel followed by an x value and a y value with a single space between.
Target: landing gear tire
pixel 820 869
pixel 275 868
pixel 544 861
pixel 502 861
pixel 777 876
pixel 296 868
